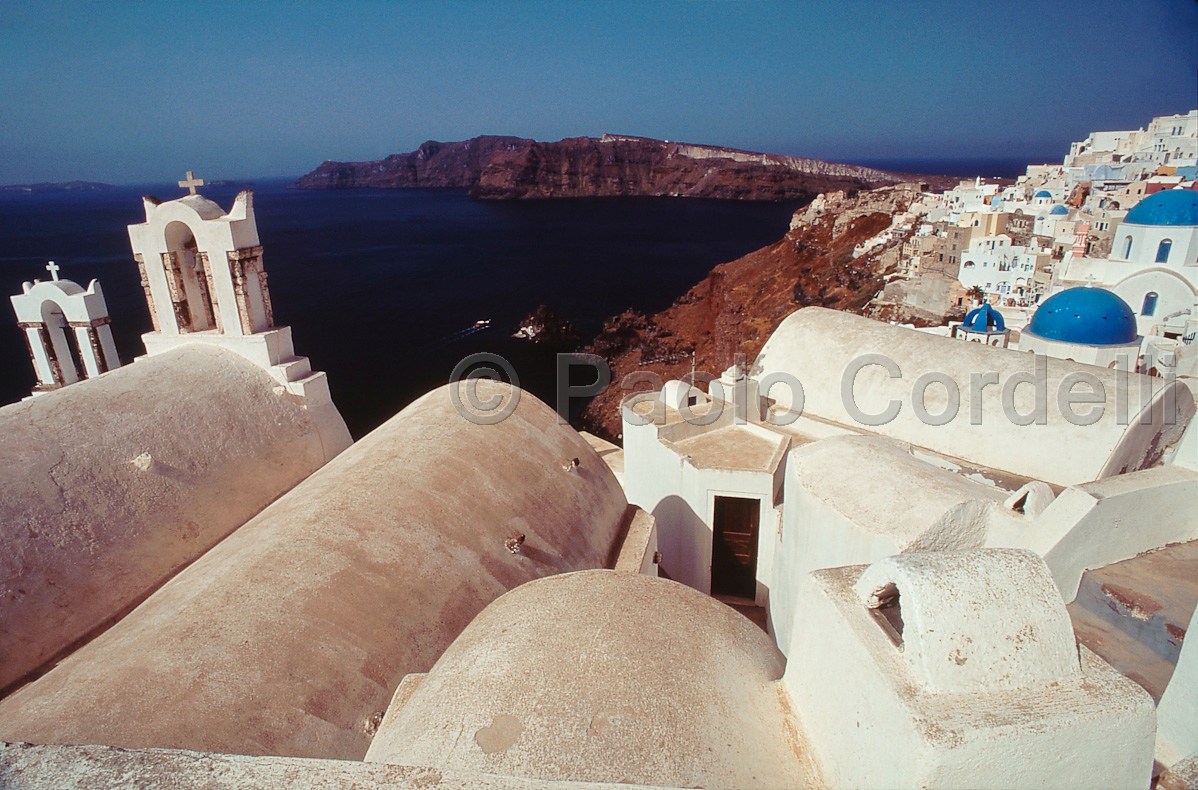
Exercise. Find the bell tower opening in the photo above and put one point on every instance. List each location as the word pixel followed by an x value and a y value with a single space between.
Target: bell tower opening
pixel 188 279
pixel 61 346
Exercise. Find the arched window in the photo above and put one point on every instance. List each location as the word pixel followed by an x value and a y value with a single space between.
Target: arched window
pixel 968 264
pixel 1127 247
pixel 1149 304
pixel 1162 251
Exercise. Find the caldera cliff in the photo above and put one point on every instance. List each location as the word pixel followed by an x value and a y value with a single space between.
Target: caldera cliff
pixel 611 166
pixel 834 256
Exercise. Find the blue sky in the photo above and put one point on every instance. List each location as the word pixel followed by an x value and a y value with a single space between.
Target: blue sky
pixel 136 92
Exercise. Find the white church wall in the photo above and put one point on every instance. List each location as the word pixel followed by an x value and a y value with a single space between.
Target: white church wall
pixel 814 535
pixel 1176 724
pixel 1095 524
pixel 700 488
pixel 1145 244
pixel 1175 298
pixel 653 478
pixel 877 721
pixel 104 503
pixel 1121 357
pixel 818 346
pixel 681 496
pixel 834 517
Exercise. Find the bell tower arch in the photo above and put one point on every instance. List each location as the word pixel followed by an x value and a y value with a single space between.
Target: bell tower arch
pixel 66 330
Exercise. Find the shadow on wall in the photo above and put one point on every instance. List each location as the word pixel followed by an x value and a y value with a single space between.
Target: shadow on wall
pixel 684 541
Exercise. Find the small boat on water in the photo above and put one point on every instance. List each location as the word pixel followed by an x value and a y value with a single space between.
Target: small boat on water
pixel 482 324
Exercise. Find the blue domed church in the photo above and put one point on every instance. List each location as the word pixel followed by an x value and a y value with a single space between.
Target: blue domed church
pixel 1153 270
pixel 1086 324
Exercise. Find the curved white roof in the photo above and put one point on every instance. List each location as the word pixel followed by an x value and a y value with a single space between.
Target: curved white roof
pixel 360 575
pixel 112 484
pixel 604 676
pixel 818 346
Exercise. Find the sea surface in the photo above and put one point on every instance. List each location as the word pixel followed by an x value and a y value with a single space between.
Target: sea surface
pixel 378 285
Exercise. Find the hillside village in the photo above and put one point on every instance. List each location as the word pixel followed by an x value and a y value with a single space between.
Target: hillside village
pixel 862 553
pixel 1014 245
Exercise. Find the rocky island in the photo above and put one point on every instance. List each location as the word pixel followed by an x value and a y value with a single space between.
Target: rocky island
pixel 57 186
pixel 504 168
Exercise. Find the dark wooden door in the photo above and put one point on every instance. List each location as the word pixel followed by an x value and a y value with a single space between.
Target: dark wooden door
pixel 734 547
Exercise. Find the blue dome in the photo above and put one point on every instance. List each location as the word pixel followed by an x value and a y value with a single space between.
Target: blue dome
pixel 985 319
pixel 1086 316
pixel 1059 211
pixel 1044 193
pixel 1167 207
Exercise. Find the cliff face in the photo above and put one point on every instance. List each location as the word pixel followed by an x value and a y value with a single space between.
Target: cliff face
pixel 433 164
pixel 733 311
pixel 511 167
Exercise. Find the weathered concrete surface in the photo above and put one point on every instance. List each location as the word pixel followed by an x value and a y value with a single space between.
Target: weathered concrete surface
pixel 27 767
pixel 109 486
pixel 1181 776
pixel 605 676
pixel 872 721
pixel 290 637
pixel 1135 613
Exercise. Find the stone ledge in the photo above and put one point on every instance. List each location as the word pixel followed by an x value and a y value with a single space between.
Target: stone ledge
pixel 26 766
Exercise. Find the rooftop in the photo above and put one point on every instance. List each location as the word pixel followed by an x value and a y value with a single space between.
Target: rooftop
pixel 1167 207
pixel 739 447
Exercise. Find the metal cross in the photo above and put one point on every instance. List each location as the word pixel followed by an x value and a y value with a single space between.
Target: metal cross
pixel 191 183
pixel 53 267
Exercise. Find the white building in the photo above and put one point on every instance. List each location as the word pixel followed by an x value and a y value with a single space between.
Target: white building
pixel 1002 270
pixel 1089 325
pixel 1153 267
pixel 976 195
pixel 1169 140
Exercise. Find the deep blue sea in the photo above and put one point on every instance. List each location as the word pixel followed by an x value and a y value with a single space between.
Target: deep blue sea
pixel 372 282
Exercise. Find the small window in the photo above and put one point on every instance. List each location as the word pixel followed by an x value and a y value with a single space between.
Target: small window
pixel 1162 251
pixel 1149 304
pixel 1127 247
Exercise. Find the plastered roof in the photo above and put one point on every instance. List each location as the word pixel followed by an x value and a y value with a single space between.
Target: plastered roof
pixel 605 676
pixel 291 634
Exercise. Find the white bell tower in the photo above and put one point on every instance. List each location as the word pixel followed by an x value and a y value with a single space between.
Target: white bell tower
pixel 202 272
pixel 67 330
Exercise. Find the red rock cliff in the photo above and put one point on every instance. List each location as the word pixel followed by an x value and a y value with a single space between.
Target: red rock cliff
pixel 512 167
pixel 734 310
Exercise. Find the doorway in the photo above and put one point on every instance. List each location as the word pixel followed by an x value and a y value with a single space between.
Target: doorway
pixel 734 547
